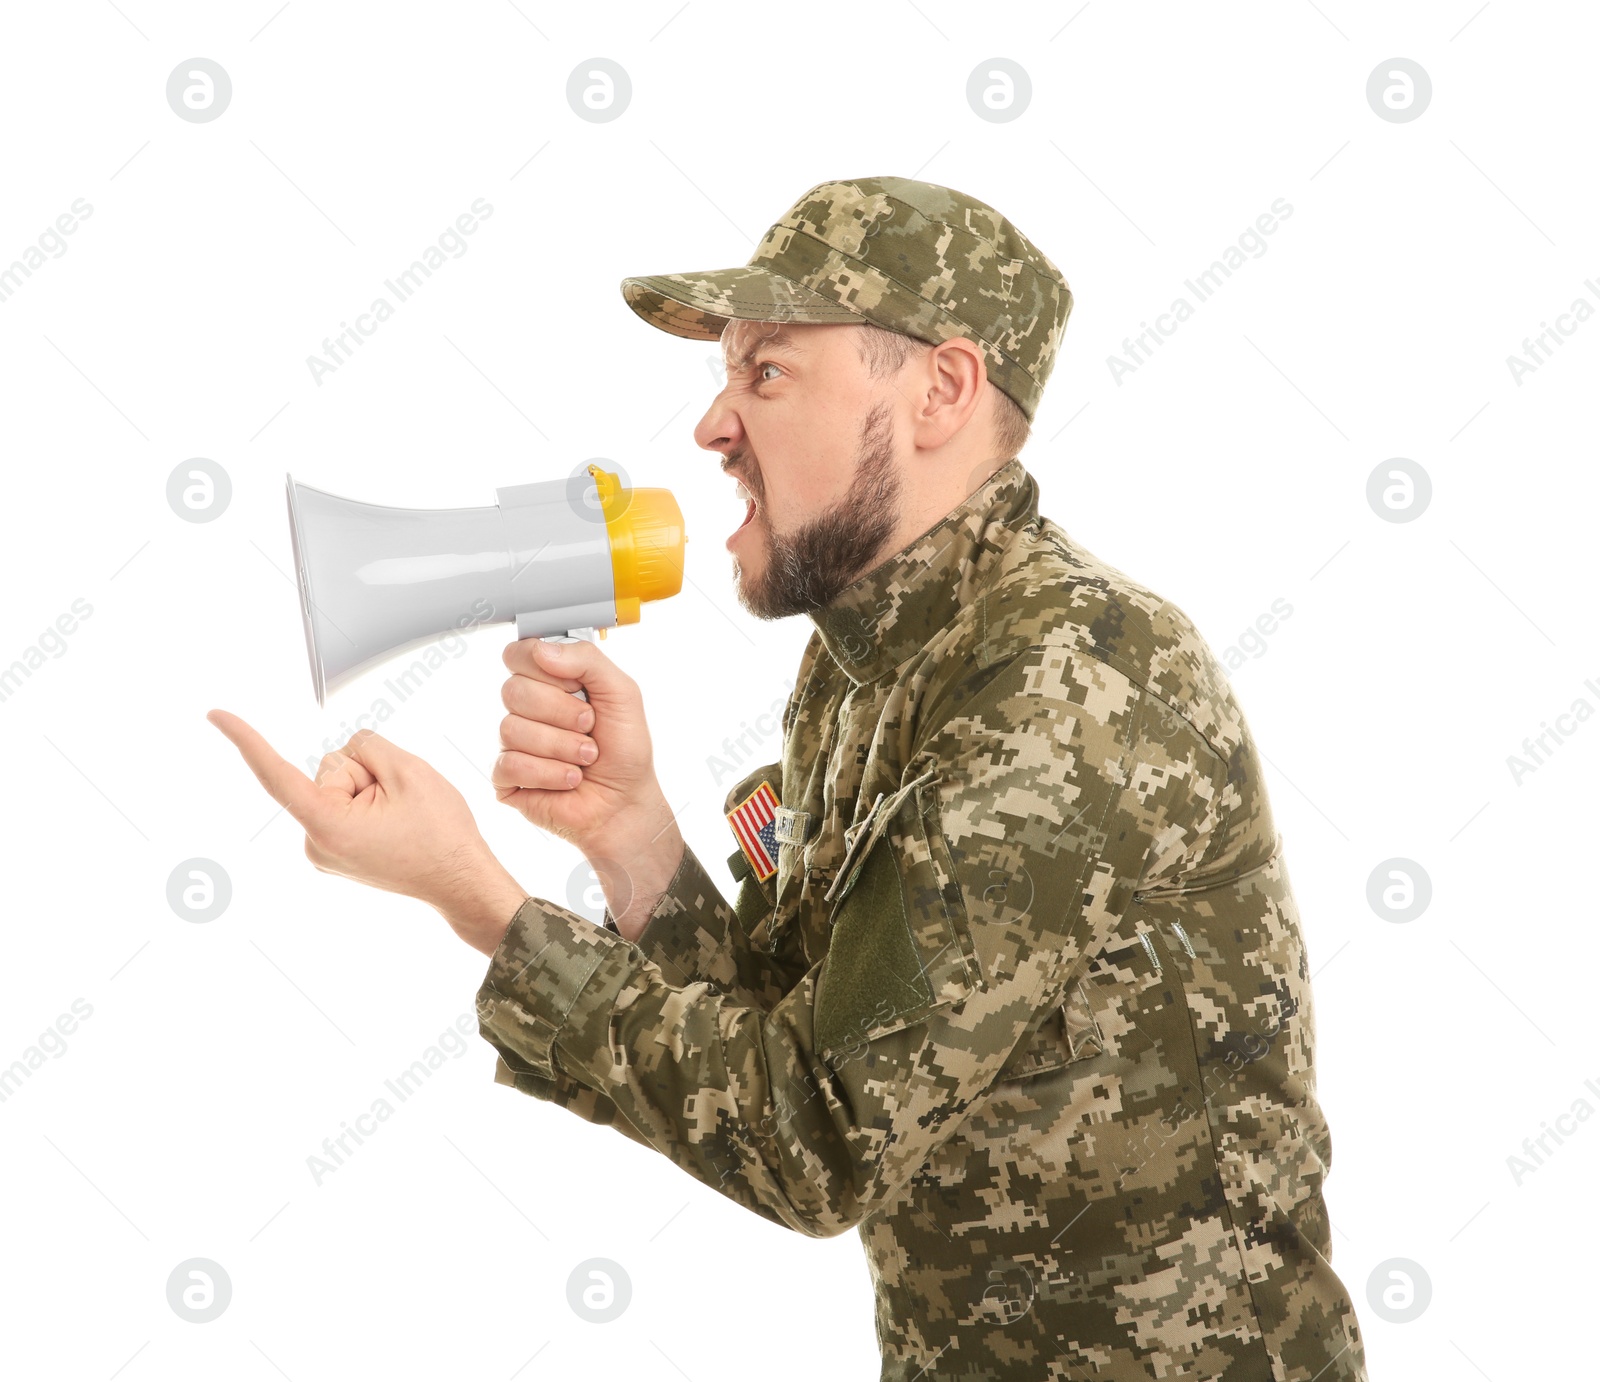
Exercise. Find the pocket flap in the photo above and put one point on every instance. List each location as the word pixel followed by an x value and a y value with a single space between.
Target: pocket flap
pixel 898 947
pixel 1067 1033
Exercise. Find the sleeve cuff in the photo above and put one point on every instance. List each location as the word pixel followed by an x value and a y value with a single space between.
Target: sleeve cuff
pixel 687 925
pixel 686 901
pixel 684 892
pixel 553 972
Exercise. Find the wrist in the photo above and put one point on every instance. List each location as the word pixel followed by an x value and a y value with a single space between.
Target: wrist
pixel 481 903
pixel 642 852
pixel 647 886
pixel 637 827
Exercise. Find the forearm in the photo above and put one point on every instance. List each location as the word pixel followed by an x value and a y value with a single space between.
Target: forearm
pixel 480 898
pixel 684 1066
pixel 635 862
pixel 745 1099
pixel 479 901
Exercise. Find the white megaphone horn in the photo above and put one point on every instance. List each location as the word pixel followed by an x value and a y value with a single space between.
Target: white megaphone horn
pixel 560 559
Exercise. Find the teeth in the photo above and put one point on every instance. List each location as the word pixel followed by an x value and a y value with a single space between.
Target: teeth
pixel 744 495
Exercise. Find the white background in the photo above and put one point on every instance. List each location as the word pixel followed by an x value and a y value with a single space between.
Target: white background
pixel 1227 472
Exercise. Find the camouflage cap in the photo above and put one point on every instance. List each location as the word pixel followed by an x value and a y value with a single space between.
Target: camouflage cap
pixel 910 256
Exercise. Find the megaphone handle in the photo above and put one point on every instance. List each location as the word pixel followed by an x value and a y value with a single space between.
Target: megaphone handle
pixel 574 636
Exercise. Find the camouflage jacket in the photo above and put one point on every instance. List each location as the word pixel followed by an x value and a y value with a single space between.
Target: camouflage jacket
pixel 1024 1001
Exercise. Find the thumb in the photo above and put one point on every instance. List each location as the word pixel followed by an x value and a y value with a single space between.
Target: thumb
pixel 384 760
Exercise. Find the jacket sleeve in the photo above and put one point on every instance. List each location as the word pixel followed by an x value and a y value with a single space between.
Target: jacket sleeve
pixel 694 934
pixel 968 903
pixel 565 1092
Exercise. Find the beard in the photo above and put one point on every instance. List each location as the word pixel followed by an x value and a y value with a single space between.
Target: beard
pixel 807 569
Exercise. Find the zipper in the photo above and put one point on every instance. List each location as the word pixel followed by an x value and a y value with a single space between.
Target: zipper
pixel 1183 890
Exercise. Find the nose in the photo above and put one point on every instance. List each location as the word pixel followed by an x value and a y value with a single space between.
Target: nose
pixel 719 428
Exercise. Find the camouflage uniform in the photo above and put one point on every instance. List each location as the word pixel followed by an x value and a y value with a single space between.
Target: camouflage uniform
pixel 1024 1001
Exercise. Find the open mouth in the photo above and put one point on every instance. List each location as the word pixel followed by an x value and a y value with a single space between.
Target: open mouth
pixel 749 510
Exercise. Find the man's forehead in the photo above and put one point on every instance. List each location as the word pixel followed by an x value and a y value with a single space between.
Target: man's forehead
pixel 742 338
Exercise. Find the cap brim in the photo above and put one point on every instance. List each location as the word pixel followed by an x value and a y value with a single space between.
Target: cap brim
pixel 698 305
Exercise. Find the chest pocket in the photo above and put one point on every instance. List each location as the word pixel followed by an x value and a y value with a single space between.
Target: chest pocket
pixel 898 945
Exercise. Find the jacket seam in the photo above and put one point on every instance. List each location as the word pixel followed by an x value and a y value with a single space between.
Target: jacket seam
pixel 1081 964
pixel 1257 1317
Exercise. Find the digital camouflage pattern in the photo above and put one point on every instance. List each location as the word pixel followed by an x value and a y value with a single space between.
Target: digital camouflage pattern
pixel 1048 1045
pixel 911 256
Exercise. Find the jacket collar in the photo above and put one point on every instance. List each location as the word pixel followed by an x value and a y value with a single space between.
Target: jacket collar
pixel 895 610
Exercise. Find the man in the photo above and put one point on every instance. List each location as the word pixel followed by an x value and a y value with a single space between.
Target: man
pixel 1014 982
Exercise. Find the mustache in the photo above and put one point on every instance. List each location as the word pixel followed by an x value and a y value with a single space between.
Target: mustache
pixel 744 468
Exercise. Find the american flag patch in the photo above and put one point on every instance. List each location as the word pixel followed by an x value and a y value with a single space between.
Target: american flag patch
pixel 754 826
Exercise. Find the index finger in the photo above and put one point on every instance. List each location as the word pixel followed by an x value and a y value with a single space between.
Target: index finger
pixel 285 783
pixel 519 658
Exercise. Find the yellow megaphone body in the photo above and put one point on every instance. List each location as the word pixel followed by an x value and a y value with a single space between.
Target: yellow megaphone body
pixel 560 559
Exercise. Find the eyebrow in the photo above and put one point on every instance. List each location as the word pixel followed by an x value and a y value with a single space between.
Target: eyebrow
pixel 781 339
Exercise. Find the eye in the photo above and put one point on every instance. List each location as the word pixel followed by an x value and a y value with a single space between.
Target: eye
pixel 766 365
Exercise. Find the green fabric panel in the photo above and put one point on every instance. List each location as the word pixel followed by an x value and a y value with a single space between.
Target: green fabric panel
pixel 752 904
pixel 873 973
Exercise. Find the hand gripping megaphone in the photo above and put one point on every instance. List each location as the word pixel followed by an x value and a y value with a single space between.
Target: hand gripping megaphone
pixel 560 559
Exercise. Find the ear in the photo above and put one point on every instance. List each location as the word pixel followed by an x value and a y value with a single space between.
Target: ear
pixel 950 384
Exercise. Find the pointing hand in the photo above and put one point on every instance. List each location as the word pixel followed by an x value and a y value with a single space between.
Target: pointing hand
pixel 387 818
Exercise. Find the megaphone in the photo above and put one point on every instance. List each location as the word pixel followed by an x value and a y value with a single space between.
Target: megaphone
pixel 560 559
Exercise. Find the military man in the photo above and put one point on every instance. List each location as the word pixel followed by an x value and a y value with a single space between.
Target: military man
pixel 1013 983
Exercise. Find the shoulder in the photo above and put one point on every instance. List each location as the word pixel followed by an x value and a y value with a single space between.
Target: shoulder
pixel 1048 598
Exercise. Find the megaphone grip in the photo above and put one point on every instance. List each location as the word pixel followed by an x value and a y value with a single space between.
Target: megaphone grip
pixel 574 636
